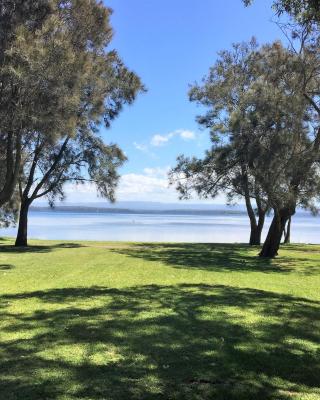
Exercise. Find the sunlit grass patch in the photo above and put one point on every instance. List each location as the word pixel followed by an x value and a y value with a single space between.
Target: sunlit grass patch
pixel 159 321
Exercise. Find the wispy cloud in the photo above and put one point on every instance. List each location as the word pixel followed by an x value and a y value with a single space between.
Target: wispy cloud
pixel 187 135
pixel 145 149
pixel 157 172
pixel 140 146
pixel 159 140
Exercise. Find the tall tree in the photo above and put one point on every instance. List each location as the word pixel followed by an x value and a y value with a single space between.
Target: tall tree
pixel 265 132
pixel 301 72
pixel 94 90
pixel 48 50
pixel 225 167
pixel 279 122
pixel 13 16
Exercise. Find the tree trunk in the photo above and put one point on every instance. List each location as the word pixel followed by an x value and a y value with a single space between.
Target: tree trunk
pixel 255 236
pixel 255 228
pixel 272 243
pixel 12 164
pixel 22 235
pixel 287 232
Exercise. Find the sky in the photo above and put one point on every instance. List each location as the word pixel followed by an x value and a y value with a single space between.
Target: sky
pixel 170 44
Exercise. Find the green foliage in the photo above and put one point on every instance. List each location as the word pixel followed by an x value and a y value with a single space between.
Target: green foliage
pixel 80 159
pixel 263 114
pixel 9 212
pixel 56 76
pixel 304 11
pixel 59 84
pixel 226 166
pixel 158 321
pixel 277 125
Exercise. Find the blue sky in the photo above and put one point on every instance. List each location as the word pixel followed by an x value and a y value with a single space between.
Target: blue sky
pixel 170 44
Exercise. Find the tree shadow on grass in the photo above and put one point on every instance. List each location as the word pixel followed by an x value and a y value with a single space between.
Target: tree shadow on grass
pixel 304 248
pixel 179 342
pixel 9 248
pixel 6 267
pixel 209 257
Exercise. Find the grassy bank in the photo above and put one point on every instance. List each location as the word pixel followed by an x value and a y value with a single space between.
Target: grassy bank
pixel 158 321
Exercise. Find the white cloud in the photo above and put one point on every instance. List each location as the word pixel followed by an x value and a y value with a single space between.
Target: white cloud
pixel 145 187
pixel 150 185
pixel 159 140
pixel 160 172
pixel 187 135
pixel 141 147
pixel 145 149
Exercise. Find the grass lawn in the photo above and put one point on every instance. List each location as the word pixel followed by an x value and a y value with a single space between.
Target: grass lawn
pixel 120 321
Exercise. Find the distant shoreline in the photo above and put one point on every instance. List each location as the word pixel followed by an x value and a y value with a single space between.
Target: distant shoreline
pixel 149 211
pixel 106 210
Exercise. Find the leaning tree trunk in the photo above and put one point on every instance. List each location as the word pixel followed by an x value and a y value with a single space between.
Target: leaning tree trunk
pixel 22 235
pixel 272 243
pixel 287 232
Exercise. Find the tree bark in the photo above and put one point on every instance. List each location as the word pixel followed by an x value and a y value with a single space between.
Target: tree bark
pixel 256 229
pixel 255 234
pixel 27 199
pixel 22 235
pixel 272 243
pixel 12 162
pixel 287 232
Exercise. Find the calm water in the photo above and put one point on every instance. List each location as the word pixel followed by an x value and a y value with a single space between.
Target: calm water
pixel 149 227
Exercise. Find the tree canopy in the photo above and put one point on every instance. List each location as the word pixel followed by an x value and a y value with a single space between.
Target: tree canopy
pixel 264 132
pixel 302 10
pixel 56 76
pixel 59 82
pixel 225 167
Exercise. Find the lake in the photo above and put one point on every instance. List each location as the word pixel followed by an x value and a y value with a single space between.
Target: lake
pixel 221 227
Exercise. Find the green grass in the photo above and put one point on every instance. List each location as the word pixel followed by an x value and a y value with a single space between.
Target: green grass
pixel 158 321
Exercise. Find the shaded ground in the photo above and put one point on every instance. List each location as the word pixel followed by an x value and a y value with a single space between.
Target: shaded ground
pixel 93 321
pixel 224 257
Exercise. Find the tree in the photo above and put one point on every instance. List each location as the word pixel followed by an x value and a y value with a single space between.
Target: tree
pixel 97 86
pixel 84 158
pixel 284 152
pixel 225 167
pixel 301 72
pixel 15 105
pixel 262 125
pixel 221 172
pixel 48 50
